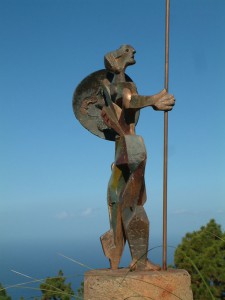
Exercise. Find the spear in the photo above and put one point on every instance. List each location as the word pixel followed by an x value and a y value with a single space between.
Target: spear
pixel 165 158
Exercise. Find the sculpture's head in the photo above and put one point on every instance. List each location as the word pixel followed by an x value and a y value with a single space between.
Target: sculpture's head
pixel 117 61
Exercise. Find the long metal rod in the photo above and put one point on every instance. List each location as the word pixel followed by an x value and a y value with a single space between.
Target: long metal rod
pixel 165 163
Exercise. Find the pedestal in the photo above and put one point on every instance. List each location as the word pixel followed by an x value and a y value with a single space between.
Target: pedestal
pixel 122 284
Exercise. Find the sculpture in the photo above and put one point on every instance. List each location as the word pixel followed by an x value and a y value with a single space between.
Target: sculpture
pixel 107 103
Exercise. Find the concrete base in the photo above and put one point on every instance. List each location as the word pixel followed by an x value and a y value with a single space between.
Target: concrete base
pixel 122 284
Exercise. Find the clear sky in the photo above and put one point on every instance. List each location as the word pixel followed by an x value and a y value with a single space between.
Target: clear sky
pixel 54 173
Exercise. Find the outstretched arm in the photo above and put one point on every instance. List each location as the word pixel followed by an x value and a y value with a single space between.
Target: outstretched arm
pixel 160 101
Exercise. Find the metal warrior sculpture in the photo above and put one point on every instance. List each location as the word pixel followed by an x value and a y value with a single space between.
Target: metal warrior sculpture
pixel 107 104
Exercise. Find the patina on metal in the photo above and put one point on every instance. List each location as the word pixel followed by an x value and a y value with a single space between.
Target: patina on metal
pixel 108 107
pixel 88 101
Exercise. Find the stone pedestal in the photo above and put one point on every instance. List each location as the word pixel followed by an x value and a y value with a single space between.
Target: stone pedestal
pixel 122 284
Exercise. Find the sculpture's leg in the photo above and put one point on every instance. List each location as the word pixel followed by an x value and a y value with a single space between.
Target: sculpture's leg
pixel 113 241
pixel 126 196
pixel 136 227
pixel 135 220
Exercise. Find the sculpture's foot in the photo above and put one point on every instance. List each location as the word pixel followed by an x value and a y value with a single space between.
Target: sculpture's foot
pixel 112 251
pixel 114 264
pixel 143 265
pixel 152 267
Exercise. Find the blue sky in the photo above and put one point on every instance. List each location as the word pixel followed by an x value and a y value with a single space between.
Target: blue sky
pixel 54 173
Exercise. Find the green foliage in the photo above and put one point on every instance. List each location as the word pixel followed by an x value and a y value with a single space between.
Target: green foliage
pixel 202 254
pixel 80 291
pixel 56 288
pixel 3 293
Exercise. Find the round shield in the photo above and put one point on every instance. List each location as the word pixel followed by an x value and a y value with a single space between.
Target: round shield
pixel 88 102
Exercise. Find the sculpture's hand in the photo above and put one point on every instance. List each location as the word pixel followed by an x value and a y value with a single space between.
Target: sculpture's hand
pixel 165 102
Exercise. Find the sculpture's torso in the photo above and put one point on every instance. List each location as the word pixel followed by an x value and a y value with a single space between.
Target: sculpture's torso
pixel 126 117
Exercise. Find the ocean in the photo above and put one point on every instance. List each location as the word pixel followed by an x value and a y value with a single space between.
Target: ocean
pixel 24 261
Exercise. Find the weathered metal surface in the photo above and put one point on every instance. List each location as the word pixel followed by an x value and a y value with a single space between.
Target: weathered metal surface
pixel 88 102
pixel 107 104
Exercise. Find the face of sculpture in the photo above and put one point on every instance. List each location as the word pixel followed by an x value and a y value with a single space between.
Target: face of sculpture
pixel 117 61
pixel 126 56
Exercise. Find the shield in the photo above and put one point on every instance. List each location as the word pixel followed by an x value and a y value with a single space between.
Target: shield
pixel 88 101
